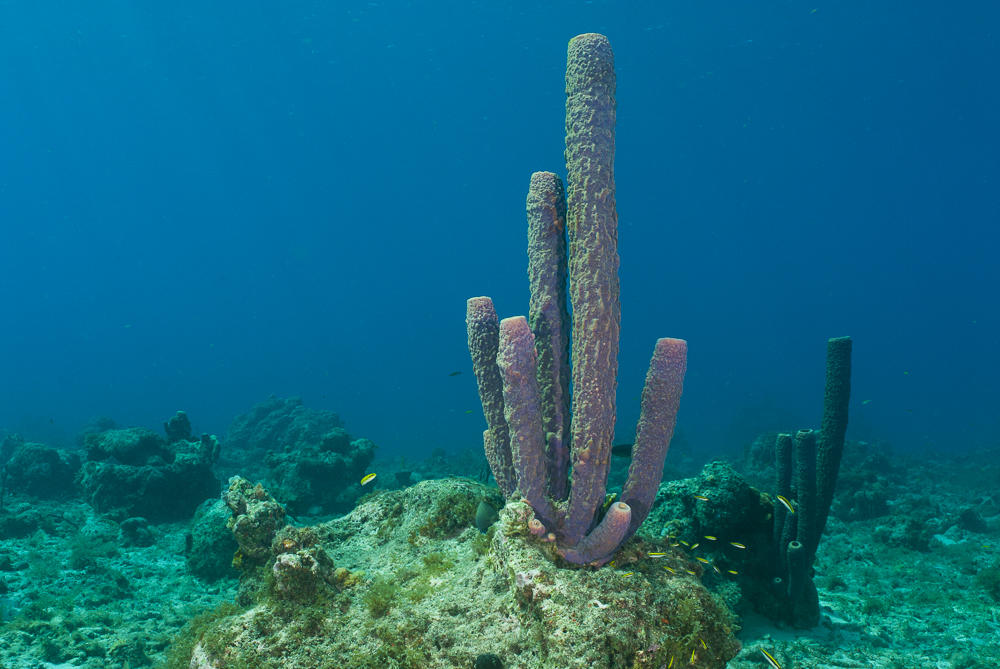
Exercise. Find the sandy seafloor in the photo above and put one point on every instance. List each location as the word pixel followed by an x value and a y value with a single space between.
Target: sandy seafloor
pixel 917 587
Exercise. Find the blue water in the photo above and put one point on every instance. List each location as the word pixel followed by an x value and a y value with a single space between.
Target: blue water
pixel 206 203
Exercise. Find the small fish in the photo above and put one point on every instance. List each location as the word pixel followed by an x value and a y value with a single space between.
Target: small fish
pixel 609 499
pixel 717 570
pixel 710 538
pixel 703 560
pixel 367 479
pixel 770 659
pixel 469 411
pixel 675 544
pixel 700 497
pixel 622 450
pixel 685 543
pixel 611 564
pixel 628 573
pixel 655 555
pixel 670 570
pixel 454 373
pixel 788 505
pixel 736 544
pixel 695 545
pixel 703 644
pixel 692 657
pixel 486 515
pixel 733 572
pixel 866 401
pixel 691 571
pixel 671 662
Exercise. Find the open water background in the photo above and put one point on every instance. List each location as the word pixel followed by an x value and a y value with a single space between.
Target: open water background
pixel 203 203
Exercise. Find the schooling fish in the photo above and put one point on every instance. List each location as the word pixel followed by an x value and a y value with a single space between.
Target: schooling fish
pixel 367 479
pixel 454 373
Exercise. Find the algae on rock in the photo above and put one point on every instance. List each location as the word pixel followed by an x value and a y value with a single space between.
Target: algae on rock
pixel 438 600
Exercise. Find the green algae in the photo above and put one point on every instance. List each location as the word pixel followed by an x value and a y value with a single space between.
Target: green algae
pixel 452 513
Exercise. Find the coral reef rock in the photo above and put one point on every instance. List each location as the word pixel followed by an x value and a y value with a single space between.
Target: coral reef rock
pixel 407 580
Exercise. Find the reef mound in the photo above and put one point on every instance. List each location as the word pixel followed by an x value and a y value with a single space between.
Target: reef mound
pixel 407 580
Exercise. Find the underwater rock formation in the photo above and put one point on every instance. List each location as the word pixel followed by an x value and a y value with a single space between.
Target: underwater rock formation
pixel 521 364
pixel 407 580
pixel 209 543
pixel 321 477
pixel 94 425
pixel 148 477
pixel 178 427
pixel 276 424
pixel 41 471
pixel 305 457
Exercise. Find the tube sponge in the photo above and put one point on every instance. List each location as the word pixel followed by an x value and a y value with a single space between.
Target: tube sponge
pixel 592 225
pixel 518 364
pixel 549 318
pixel 830 444
pixel 484 343
pixel 600 544
pixel 661 398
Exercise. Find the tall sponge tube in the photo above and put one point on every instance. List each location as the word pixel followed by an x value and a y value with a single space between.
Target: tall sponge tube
pixel 592 227
pixel 661 398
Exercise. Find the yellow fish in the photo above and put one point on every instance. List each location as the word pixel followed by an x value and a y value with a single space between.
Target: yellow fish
pixel 710 537
pixel 368 478
pixel 770 659
pixel 700 497
pixel 737 544
pixel 786 503
pixel 655 555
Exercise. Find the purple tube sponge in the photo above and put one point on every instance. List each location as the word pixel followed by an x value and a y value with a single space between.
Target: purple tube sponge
pixel 599 545
pixel 522 365
pixel 661 397
pixel 518 364
pixel 484 343
pixel 592 226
